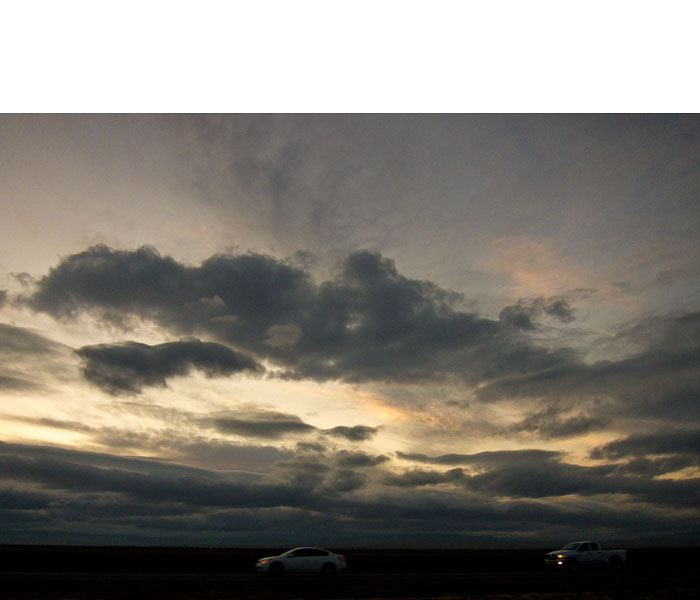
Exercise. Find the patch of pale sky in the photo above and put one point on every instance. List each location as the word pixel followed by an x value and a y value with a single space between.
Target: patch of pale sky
pixel 42 435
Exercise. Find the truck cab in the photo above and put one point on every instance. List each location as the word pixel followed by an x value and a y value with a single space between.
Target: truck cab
pixel 585 553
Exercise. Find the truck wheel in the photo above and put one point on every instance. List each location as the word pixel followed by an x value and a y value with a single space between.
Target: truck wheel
pixel 571 564
pixel 615 563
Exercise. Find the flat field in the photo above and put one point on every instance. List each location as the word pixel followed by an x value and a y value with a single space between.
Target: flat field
pixel 111 573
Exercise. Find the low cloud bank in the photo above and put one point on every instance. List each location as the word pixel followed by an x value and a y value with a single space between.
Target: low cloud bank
pixel 49 492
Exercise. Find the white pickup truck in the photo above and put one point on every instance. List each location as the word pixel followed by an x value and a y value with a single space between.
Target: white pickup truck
pixel 582 554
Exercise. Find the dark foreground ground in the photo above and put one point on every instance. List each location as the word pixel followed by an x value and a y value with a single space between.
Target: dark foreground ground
pixel 54 572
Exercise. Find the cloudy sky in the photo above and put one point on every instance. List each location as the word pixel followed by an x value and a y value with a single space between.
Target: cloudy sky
pixel 349 329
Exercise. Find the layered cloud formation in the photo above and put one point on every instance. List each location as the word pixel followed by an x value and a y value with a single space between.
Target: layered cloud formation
pixel 486 329
pixel 368 324
pixel 336 498
pixel 253 469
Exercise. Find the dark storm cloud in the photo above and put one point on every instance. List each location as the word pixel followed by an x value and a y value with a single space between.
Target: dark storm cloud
pixel 53 492
pixel 236 298
pixel 424 510
pixel 253 422
pixel 559 479
pixel 14 499
pixel 641 466
pixel 130 366
pixel 539 479
pixel 179 441
pixel 334 476
pixel 356 433
pixel 306 473
pixel 371 323
pixel 368 323
pixel 485 459
pixel 663 279
pixel 138 478
pixel 421 477
pixel 322 476
pixel 24 279
pixel 666 442
pixel 345 480
pixel 559 308
pixel 3 298
pixel 313 447
pixel 537 474
pixel 219 454
pixel 664 332
pixel 113 282
pixel 524 314
pixel 517 316
pixel 346 458
pixel 261 424
pixel 187 438
pixel 549 424
pixel 659 381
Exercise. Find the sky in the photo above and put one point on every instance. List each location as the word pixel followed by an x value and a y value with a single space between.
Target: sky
pixel 350 329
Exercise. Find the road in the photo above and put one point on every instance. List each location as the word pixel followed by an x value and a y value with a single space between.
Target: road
pixel 596 585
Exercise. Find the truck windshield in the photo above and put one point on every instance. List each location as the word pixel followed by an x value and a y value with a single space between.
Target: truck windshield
pixel 571 546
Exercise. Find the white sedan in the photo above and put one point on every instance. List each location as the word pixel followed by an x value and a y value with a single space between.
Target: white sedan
pixel 310 560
